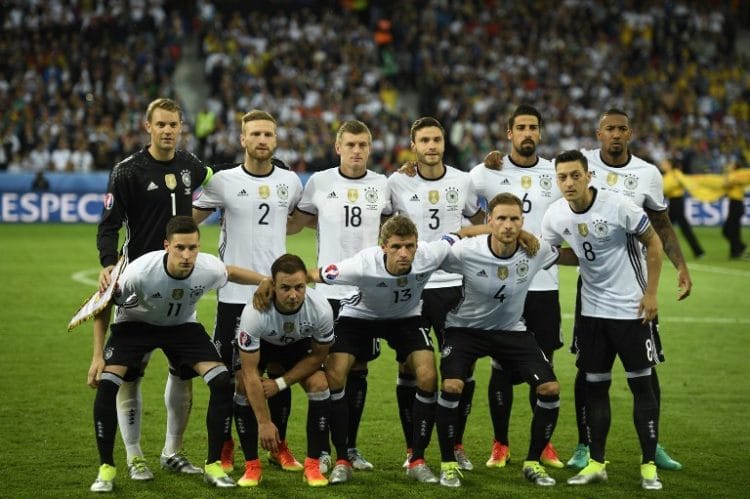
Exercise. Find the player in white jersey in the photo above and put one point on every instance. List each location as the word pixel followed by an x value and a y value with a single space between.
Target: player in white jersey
pixel 346 206
pixel 532 179
pixel 390 279
pixel 255 199
pixel 436 198
pixel 613 168
pixel 296 332
pixel 157 296
pixel 489 321
pixel 618 301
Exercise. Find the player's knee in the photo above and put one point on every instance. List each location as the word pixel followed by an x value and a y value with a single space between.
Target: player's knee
pixel 426 376
pixel 548 389
pixel 316 382
pixel 453 385
pixel 218 378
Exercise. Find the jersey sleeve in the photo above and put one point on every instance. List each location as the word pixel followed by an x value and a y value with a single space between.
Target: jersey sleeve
pixel 549 254
pixel 219 270
pixel 307 201
pixel 549 233
pixel 348 272
pixel 655 199
pixel 452 261
pixel 250 330
pixel 127 285
pixel 324 332
pixel 210 196
pixel 632 218
pixel 472 200
pixel 113 215
pixel 296 195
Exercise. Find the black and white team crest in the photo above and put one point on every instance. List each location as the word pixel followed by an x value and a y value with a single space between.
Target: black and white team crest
pixel 446 351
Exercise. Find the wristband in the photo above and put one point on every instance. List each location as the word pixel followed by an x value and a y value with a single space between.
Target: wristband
pixel 281 383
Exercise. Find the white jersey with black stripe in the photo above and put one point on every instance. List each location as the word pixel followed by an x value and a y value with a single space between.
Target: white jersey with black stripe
pixel 535 186
pixel 436 206
pixel 604 238
pixel 348 212
pixel 149 294
pixel 383 295
pixel 495 287
pixel 253 224
pixel 314 319
pixel 637 179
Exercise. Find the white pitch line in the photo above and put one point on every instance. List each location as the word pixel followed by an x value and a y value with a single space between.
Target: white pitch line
pixel 83 277
pixel 719 270
pixel 702 320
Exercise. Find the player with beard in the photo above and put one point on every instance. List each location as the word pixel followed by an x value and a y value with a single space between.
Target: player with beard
pixel 437 198
pixel 255 199
pixel 531 179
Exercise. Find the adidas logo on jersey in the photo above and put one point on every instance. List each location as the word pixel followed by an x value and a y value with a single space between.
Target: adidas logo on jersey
pixel 243 193
pixel 382 285
pixel 152 187
pixel 156 295
pixel 505 182
pixel 332 195
pixel 414 198
pixel 566 232
pixel 482 273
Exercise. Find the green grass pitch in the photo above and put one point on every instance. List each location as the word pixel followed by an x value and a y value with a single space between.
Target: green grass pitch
pixel 47 447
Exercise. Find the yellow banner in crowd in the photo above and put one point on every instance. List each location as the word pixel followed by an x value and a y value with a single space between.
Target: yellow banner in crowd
pixel 710 187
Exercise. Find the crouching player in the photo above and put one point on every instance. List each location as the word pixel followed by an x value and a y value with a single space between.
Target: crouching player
pixel 156 301
pixel 497 274
pixel 296 332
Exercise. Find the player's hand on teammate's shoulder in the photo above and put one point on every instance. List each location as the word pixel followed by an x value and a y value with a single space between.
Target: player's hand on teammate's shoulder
pixel 263 295
pixel 409 168
pixel 494 160
pixel 528 242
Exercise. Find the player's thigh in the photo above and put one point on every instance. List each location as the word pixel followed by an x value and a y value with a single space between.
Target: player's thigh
pixel 188 344
pixel 129 344
pixel 461 349
pixel 542 316
pixel 635 344
pixel 596 351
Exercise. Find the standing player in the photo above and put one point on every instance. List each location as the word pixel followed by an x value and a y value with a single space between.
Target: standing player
pixel 436 198
pixel 613 168
pixel 346 205
pixel 296 332
pixel 618 301
pixel 255 199
pixel 390 279
pixel 531 178
pixel 157 297
pixel 145 190
pixel 497 275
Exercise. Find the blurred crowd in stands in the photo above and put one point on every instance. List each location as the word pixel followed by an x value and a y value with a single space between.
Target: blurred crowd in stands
pixel 76 76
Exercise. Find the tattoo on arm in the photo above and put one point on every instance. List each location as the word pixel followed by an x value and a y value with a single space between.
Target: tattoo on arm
pixel 663 227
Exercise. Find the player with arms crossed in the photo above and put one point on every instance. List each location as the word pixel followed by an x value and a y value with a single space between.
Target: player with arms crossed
pixel 531 178
pixel 157 296
pixel 437 198
pixel 346 205
pixel 497 275
pixel 145 191
pixel 618 301
pixel 295 332
pixel 255 199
